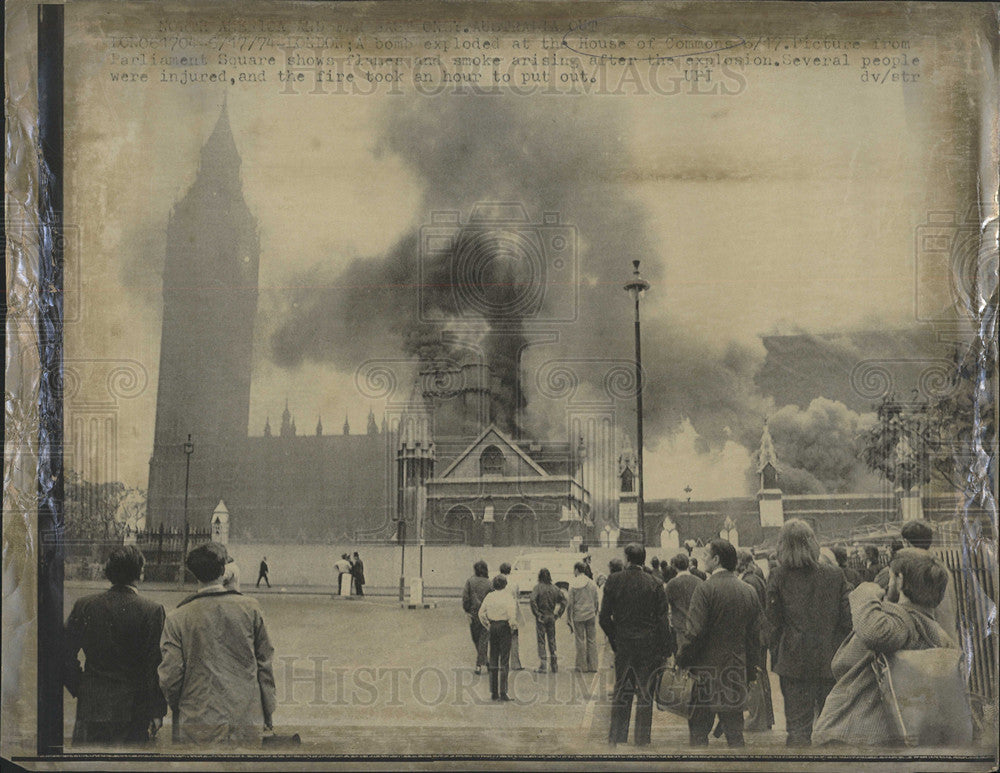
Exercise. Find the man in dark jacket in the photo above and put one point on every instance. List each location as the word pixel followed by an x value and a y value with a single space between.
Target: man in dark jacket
pixel 808 617
pixel 262 573
pixel 358 572
pixel 721 647
pixel 634 618
pixel 679 591
pixel 476 588
pixel 118 695
pixel 853 575
pixel 548 603
pixel 760 714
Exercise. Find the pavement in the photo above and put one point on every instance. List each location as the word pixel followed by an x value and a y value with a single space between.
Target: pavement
pixel 365 676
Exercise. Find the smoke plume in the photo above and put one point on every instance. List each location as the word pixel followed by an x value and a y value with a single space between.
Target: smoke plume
pixel 531 151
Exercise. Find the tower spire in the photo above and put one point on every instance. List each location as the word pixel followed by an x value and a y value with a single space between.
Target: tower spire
pixel 767 454
pixel 347 424
pixel 767 460
pixel 287 423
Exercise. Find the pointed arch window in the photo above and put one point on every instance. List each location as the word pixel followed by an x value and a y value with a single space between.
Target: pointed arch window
pixel 491 461
pixel 628 481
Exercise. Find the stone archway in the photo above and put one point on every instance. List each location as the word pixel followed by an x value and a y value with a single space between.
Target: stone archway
pixel 519 526
pixel 461 524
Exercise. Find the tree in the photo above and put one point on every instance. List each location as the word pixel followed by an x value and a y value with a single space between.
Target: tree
pixel 101 511
pixel 900 445
pixel 963 422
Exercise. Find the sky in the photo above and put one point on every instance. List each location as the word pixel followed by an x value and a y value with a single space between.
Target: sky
pixel 790 205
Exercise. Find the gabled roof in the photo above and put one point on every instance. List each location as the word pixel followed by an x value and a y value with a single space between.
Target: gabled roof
pixel 505 439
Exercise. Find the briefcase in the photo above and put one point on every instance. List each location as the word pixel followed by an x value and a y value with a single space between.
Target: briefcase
pixel 673 693
pixel 925 696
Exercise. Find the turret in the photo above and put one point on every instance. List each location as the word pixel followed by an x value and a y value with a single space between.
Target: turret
pixel 772 511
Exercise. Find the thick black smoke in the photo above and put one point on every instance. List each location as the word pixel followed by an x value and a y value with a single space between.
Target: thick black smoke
pixel 554 155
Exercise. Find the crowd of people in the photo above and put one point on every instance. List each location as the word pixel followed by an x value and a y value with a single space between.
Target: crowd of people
pixel 822 625
pixel 820 622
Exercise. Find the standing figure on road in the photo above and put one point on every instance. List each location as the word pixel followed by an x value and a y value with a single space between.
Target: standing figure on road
pixel 476 588
pixel 262 573
pixel 118 696
pixel 216 660
pixel 679 591
pixel 515 592
pixel 343 567
pixel 547 605
pixel 720 647
pixel 634 617
pixel 760 714
pixel 497 614
pixel 581 615
pixel 358 573
pixel 808 616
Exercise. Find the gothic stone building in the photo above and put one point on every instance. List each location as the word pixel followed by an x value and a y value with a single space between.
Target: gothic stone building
pixel 440 468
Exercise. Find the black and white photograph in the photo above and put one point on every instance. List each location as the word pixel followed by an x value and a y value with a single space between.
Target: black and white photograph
pixel 501 385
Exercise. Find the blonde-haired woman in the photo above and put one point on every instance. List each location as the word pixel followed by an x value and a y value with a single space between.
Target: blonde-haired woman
pixel 808 617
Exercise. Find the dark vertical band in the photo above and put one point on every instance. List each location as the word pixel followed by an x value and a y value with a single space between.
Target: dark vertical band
pixel 50 408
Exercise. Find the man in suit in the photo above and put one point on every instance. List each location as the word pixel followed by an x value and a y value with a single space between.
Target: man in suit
pixel 262 573
pixel 118 696
pixel 358 572
pixel 634 618
pixel 679 591
pixel 721 646
pixel 760 714
pixel 696 571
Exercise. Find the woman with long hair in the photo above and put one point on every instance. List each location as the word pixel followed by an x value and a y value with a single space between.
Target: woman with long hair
pixel 808 617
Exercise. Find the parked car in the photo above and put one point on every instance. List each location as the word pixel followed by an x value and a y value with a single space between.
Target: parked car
pixel 524 569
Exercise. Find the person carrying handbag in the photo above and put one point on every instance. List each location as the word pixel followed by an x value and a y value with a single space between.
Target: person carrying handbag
pixel 885 623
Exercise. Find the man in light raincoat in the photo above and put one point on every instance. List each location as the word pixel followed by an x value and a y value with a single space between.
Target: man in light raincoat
pixel 216 660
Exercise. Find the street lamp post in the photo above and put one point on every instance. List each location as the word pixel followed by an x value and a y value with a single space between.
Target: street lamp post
pixel 188 450
pixel 637 288
pixel 401 538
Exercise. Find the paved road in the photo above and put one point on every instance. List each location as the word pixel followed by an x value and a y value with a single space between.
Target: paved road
pixel 363 676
